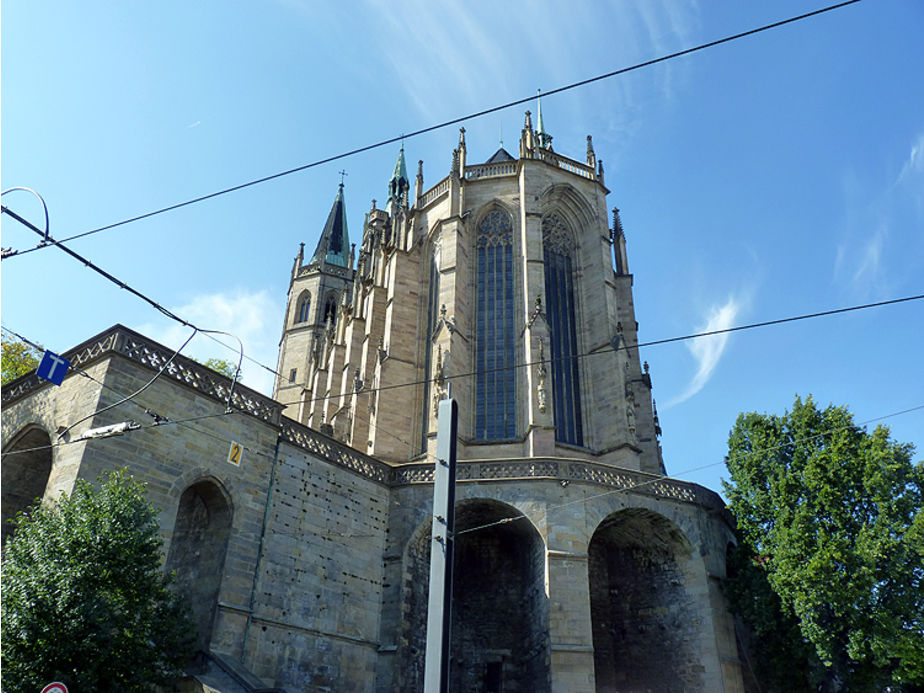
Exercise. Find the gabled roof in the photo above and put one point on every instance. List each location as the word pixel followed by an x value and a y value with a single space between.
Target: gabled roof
pixel 500 155
pixel 334 246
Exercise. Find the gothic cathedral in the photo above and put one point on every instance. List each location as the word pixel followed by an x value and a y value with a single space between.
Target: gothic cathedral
pixel 580 567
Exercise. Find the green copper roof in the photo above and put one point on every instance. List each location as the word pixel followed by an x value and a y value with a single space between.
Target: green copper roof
pixel 398 185
pixel 334 246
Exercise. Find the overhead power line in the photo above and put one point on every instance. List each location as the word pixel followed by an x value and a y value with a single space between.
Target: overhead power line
pixel 147 299
pixel 447 123
pixel 667 340
pixel 627 347
pixel 661 477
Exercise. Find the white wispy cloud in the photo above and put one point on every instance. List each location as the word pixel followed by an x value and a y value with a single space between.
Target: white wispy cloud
pixel 869 258
pixel 707 351
pixel 254 318
pixel 914 164
pixel 474 54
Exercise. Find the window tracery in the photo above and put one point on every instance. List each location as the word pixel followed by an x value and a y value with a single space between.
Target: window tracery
pixel 495 409
pixel 558 252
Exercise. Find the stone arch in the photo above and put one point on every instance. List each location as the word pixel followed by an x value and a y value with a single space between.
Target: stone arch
pixel 303 308
pixel 26 468
pixel 500 619
pixel 643 610
pixel 198 547
pixel 571 205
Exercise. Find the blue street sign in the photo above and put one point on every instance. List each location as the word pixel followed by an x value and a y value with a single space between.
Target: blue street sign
pixel 53 368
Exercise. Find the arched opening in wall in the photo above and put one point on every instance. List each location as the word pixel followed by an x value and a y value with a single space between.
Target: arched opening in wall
pixel 412 640
pixel 303 311
pixel 645 621
pixel 500 617
pixel 25 469
pixel 197 551
pixel 330 308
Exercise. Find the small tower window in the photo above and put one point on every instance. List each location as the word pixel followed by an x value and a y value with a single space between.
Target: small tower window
pixel 330 308
pixel 304 308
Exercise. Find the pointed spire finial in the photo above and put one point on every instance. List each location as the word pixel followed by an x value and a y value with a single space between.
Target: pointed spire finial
pixel 545 139
pixel 333 246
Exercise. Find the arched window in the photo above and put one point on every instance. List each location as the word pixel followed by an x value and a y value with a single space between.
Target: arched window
pixel 330 308
pixel 304 308
pixel 495 411
pixel 433 299
pixel 558 249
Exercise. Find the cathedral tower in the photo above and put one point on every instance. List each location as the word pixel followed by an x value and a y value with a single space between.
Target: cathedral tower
pixel 316 291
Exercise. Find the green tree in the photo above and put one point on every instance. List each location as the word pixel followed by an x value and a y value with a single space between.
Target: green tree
pixel 18 358
pixel 831 518
pixel 221 366
pixel 85 599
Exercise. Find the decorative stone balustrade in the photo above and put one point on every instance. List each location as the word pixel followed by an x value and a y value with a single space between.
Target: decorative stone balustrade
pixel 566 164
pixel 496 170
pixel 434 193
pixel 135 347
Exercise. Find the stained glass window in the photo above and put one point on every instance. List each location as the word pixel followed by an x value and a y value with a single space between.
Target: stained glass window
pixel 558 251
pixel 495 410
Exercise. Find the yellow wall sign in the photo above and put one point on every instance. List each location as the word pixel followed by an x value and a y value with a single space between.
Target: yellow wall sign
pixel 235 453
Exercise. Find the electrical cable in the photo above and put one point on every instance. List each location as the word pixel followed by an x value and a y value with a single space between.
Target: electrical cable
pixel 134 394
pixel 663 477
pixel 122 285
pixel 453 121
pixel 80 371
pixel 168 422
pixel 627 347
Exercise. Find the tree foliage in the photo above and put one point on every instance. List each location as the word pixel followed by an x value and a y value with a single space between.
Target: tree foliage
pixel 221 366
pixel 18 358
pixel 832 532
pixel 85 599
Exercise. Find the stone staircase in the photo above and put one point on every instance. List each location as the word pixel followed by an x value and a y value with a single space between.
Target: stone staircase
pixel 216 672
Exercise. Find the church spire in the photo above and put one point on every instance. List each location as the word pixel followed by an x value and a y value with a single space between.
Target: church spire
pixel 334 245
pixel 398 186
pixel 545 139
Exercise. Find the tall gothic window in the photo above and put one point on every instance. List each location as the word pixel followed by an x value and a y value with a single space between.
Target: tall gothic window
pixel 433 299
pixel 304 307
pixel 558 250
pixel 495 412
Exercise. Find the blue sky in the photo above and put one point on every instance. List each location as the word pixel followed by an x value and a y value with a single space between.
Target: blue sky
pixel 776 175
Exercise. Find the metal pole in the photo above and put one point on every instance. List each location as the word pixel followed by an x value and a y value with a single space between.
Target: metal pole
pixel 439 610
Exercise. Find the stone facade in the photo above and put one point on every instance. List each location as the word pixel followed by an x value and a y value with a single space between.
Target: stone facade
pixel 579 566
